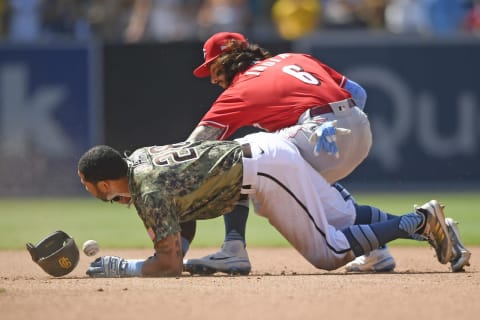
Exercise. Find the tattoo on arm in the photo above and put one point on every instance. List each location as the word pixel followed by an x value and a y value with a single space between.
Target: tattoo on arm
pixel 178 248
pixel 167 260
pixel 205 133
pixel 170 246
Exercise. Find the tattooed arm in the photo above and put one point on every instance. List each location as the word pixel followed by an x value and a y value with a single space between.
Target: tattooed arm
pixel 205 133
pixel 167 261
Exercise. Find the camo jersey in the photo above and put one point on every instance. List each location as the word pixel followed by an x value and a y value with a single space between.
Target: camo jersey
pixel 184 181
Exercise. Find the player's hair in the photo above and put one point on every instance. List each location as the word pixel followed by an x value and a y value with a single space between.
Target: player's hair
pixel 238 57
pixel 102 163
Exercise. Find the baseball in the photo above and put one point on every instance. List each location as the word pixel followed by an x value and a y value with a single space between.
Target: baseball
pixel 90 247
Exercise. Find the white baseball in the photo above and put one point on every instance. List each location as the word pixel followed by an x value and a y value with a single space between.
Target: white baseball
pixel 90 247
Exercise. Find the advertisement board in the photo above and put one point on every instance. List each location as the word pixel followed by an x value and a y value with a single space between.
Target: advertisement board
pixel 423 104
pixel 49 115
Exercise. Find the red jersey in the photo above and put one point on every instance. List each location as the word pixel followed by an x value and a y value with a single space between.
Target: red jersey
pixel 273 93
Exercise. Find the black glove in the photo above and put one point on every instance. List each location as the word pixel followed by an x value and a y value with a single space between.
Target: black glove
pixel 108 267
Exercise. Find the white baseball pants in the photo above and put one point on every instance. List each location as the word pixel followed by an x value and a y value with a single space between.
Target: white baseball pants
pixel 297 200
pixel 353 147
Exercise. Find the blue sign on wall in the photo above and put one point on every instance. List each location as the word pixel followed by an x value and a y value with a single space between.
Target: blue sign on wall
pixel 48 116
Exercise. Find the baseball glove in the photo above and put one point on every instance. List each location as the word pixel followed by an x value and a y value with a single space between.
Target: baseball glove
pixel 57 254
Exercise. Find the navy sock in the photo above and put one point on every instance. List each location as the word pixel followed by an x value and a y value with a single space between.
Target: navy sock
pixel 369 215
pixel 343 191
pixel 365 238
pixel 235 223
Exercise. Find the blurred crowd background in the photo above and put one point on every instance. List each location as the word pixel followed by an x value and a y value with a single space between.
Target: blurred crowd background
pixel 131 21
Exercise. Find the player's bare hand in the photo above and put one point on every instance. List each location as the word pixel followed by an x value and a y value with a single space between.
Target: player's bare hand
pixel 325 137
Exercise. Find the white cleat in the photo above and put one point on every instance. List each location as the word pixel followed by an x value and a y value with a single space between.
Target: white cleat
pixel 379 260
pixel 460 254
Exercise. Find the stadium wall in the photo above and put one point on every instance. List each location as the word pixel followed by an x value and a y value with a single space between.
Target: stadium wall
pixel 57 100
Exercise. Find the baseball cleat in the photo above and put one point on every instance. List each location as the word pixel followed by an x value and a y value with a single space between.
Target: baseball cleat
pixel 379 260
pixel 231 259
pixel 460 254
pixel 435 230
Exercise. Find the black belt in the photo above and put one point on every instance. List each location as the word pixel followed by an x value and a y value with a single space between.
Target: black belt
pixel 246 150
pixel 247 153
pixel 316 111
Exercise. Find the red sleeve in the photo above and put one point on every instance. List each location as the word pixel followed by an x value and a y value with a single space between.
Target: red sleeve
pixel 339 78
pixel 229 113
pixel 268 97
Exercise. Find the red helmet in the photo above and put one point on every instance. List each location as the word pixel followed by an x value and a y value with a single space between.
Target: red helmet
pixel 213 47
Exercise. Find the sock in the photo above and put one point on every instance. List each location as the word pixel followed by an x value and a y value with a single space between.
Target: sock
pixel 235 222
pixel 412 223
pixel 369 215
pixel 365 238
pixel 343 191
pixel 361 239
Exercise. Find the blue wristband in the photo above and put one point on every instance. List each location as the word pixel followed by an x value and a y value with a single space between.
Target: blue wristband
pixel 134 267
pixel 359 94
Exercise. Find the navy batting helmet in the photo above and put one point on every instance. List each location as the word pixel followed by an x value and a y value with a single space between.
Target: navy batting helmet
pixel 57 254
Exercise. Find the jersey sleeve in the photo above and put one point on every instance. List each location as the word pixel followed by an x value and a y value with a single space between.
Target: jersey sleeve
pixel 227 113
pixel 339 78
pixel 158 217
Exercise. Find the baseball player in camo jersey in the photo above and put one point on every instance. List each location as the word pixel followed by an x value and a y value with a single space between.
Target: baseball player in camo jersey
pixel 301 98
pixel 183 182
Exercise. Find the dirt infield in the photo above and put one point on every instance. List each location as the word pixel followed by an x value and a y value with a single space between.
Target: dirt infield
pixel 281 286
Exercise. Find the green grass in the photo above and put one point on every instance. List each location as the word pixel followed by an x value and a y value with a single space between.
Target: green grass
pixel 115 226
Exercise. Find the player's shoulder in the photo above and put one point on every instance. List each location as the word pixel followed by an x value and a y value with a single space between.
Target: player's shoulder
pixel 293 55
pixel 306 56
pixel 296 57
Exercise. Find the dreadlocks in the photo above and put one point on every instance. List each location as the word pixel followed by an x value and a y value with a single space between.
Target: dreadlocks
pixel 238 57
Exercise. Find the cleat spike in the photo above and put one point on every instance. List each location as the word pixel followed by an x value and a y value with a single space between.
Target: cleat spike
pixel 461 255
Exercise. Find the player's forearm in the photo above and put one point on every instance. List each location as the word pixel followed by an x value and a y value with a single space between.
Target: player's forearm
pixel 157 267
pixel 168 258
pixel 205 133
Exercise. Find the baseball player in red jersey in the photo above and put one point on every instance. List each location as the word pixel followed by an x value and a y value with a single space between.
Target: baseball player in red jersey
pixel 301 98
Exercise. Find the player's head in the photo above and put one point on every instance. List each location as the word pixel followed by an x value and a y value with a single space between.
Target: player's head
pixel 235 55
pixel 99 168
pixel 214 47
pixel 102 163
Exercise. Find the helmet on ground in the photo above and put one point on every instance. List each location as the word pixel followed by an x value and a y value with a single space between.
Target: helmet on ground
pixel 57 254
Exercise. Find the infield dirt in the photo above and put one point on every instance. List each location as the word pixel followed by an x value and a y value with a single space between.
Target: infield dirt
pixel 282 285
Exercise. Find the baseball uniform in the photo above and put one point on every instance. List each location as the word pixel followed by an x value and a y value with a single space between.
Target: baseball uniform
pixel 201 180
pixel 295 89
